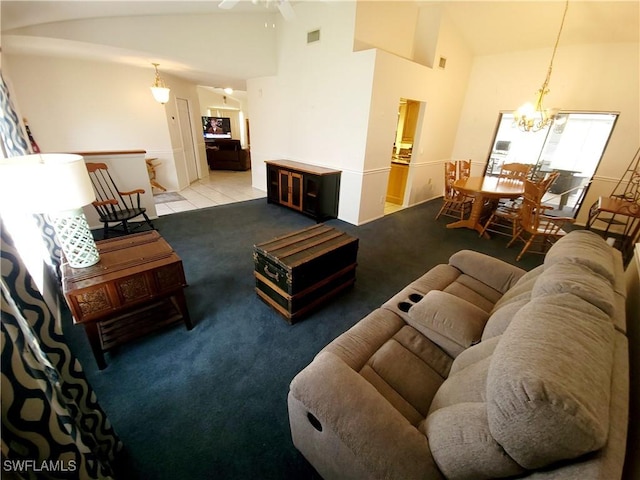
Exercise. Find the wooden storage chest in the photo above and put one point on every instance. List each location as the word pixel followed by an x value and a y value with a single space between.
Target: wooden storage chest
pixel 297 272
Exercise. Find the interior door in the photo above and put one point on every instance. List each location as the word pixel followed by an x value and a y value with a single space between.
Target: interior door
pixel 186 135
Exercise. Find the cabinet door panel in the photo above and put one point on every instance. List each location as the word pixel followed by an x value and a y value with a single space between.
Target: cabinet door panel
pixel 296 191
pixel 273 189
pixel 311 191
pixel 284 186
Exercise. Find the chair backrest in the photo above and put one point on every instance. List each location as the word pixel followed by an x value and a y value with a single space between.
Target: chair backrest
pixel 547 181
pixel 464 168
pixel 109 200
pixel 450 176
pixel 515 171
pixel 531 206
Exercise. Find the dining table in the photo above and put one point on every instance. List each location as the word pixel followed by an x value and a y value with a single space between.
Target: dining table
pixel 483 190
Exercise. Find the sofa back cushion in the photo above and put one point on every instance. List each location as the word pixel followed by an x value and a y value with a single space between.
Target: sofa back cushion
pixel 585 248
pixel 457 427
pixel 548 385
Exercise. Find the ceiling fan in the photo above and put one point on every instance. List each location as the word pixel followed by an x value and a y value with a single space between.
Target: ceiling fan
pixel 286 10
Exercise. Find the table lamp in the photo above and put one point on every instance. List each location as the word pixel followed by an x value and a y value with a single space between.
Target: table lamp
pixel 57 184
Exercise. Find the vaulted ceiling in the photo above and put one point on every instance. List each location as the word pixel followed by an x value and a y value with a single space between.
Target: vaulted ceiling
pixel 489 27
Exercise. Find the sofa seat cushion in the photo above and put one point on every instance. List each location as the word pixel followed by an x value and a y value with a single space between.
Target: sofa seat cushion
pixel 405 367
pixel 402 371
pixel 548 385
pixel 462 446
pixel 449 321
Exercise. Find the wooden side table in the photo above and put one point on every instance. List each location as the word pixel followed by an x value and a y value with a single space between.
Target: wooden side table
pixel 136 287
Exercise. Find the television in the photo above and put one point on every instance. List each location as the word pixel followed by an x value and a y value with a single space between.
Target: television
pixel 216 127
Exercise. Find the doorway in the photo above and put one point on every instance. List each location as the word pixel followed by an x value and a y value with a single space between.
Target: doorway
pixel 186 135
pixel 573 146
pixel 408 113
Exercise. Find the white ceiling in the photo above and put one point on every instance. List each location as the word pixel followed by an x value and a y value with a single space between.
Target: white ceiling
pixel 489 27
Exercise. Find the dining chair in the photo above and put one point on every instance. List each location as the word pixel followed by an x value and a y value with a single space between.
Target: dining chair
pixel 504 220
pixel 515 171
pixel 114 206
pixel 454 203
pixel 534 226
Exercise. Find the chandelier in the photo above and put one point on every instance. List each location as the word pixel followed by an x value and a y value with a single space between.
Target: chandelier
pixel 159 90
pixel 534 117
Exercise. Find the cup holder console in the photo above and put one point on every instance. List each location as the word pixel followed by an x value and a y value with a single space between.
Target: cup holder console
pixel 413 298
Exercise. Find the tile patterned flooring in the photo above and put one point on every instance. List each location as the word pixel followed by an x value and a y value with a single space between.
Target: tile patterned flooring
pixel 222 187
pixel 219 188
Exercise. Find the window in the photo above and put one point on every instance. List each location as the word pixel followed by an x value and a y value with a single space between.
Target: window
pixel 573 146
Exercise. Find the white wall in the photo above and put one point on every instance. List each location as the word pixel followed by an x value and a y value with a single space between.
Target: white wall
pixel 389 26
pixel 603 77
pixel 315 109
pixel 334 107
pixel 442 92
pixel 77 105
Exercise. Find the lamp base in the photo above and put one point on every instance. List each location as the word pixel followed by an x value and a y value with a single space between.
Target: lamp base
pixel 76 239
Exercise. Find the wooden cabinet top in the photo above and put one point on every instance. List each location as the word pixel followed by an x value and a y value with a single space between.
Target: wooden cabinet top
pixel 120 257
pixel 302 167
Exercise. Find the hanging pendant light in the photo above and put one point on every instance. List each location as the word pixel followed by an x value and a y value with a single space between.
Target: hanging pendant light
pixel 534 117
pixel 159 89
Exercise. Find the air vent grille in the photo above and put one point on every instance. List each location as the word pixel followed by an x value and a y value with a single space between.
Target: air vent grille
pixel 313 36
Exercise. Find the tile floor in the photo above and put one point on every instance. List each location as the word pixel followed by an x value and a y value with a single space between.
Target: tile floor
pixel 219 188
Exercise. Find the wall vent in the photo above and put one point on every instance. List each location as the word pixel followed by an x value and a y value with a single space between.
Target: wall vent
pixel 313 36
pixel 442 63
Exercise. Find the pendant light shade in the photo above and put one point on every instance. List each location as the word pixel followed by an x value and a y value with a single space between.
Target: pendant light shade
pixel 159 90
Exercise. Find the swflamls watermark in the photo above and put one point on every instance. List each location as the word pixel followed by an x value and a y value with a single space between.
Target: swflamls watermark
pixel 16 465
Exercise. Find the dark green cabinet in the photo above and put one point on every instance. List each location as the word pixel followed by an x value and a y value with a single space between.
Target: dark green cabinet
pixel 311 190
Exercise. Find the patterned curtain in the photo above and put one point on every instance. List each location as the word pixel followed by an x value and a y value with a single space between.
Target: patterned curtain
pixel 52 425
pixel 14 143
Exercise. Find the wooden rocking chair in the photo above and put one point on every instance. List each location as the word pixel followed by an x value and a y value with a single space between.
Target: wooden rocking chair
pixel 114 206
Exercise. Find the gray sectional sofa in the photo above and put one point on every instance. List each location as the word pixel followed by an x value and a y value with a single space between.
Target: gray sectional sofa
pixel 478 370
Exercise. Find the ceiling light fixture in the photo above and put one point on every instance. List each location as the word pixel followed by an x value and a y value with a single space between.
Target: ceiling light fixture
pixel 228 90
pixel 159 89
pixel 533 118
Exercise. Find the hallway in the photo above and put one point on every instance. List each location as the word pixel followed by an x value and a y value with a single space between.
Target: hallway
pixel 219 188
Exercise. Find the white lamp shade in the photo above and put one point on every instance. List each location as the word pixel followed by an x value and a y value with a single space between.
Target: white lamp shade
pixel 161 94
pixel 45 183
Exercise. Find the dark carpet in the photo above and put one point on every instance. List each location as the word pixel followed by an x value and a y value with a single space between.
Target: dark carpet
pixel 211 403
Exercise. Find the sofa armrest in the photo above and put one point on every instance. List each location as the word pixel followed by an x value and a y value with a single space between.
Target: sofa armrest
pixel 491 271
pixel 346 414
pixel 450 322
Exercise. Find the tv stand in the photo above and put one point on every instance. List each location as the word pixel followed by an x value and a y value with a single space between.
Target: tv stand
pixel 308 189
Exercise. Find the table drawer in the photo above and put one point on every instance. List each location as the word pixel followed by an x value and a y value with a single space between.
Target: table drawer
pixel 134 288
pixel 91 303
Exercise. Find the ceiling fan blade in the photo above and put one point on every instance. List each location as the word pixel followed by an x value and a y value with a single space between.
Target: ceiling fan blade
pixel 227 4
pixel 286 10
